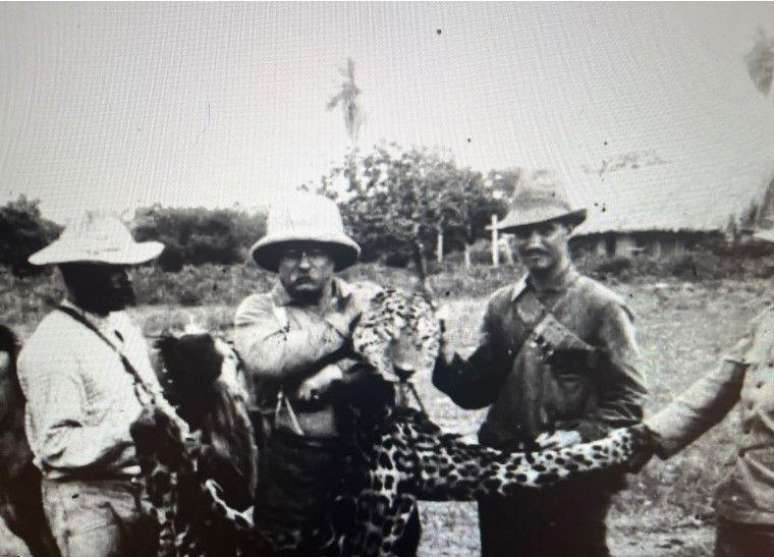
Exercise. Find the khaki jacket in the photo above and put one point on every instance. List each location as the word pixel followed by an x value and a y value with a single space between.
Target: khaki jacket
pixel 591 391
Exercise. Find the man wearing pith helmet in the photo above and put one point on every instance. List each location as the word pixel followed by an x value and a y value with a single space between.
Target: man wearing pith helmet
pixel 84 372
pixel 556 364
pixel 294 341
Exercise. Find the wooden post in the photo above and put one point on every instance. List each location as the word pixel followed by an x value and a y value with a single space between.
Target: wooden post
pixel 506 245
pixel 439 247
pixel 467 256
pixel 495 247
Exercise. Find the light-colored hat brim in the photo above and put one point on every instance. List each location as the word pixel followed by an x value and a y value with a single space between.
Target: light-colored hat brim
pixel 766 235
pixel 266 251
pixel 517 219
pixel 132 254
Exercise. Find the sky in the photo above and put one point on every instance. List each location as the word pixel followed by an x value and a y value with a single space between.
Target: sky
pixel 114 106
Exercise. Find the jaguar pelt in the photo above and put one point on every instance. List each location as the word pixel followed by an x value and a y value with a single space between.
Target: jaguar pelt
pixel 203 441
pixel 398 334
pixel 404 457
pixel 400 456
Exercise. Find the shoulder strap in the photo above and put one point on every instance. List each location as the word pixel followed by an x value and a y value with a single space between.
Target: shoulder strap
pixel 138 382
pixel 542 327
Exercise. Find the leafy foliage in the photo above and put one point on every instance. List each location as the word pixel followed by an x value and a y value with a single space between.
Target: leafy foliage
pixel 197 235
pixel 392 196
pixel 23 231
pixel 760 62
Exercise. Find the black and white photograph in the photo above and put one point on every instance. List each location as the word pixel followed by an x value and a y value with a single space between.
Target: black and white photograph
pixel 386 279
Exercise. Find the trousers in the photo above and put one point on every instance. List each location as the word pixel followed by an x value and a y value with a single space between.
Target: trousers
pixel 568 519
pixel 98 518
pixel 734 539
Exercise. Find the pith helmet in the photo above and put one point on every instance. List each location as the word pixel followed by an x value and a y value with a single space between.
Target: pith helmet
pixel 541 202
pixel 96 238
pixel 304 217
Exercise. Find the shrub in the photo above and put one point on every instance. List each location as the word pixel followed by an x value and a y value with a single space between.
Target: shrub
pixel 616 266
pixel 23 231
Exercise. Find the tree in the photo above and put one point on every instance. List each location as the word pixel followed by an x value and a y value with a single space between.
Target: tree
pixel 760 62
pixel 197 235
pixel 23 231
pixel 397 197
pixel 347 98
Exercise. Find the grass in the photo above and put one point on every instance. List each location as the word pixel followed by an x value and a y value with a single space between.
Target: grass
pixel 683 328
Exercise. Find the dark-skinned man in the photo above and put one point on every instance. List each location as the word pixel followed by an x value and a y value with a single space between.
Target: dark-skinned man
pixel 84 371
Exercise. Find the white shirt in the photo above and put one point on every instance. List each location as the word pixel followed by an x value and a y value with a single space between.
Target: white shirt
pixel 80 398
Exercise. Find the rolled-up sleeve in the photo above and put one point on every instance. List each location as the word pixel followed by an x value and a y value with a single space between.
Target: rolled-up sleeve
pixel 706 402
pixel 271 350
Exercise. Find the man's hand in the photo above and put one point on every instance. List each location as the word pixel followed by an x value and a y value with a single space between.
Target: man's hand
pixel 313 387
pixel 445 351
pixel 558 439
pixel 645 447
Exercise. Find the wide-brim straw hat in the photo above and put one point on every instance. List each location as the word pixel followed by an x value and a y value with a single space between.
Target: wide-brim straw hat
pixel 541 202
pixel 766 235
pixel 307 218
pixel 97 238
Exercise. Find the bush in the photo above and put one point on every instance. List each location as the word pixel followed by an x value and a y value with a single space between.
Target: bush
pixel 196 236
pixel 23 231
pixel 616 266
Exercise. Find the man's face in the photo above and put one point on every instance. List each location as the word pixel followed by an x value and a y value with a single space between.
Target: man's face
pixel 98 288
pixel 542 247
pixel 305 269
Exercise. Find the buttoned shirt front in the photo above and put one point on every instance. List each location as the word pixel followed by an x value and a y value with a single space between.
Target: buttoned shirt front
pixel 81 399
pixel 744 380
pixel 527 394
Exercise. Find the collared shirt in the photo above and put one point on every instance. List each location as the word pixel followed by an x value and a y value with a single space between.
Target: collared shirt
pixel 528 395
pixel 281 340
pixel 80 398
pixel 744 380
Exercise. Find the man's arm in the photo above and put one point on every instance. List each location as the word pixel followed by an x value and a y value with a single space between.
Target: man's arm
pixel 622 390
pixel 706 402
pixel 272 351
pixel 475 382
pixel 698 409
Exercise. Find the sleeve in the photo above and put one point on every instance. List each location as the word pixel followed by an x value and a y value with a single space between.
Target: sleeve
pixel 622 389
pixel 54 394
pixel 706 402
pixel 475 382
pixel 271 350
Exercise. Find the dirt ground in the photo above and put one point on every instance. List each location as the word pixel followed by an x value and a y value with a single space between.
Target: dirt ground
pixel 681 542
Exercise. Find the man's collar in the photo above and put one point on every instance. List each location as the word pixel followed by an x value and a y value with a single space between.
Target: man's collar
pixel 339 289
pixel 560 282
pixel 92 317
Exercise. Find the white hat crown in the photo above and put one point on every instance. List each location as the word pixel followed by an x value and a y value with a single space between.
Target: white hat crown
pixel 304 217
pixel 97 238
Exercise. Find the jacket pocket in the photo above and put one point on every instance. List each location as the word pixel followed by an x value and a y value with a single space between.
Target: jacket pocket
pixel 569 396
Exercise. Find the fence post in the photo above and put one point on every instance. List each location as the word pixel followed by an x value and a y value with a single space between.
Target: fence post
pixel 439 247
pixel 495 247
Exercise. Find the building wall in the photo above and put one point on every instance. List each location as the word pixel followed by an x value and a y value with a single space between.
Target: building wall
pixel 651 243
